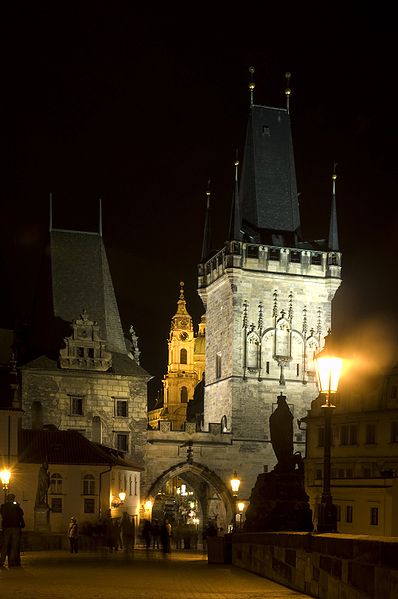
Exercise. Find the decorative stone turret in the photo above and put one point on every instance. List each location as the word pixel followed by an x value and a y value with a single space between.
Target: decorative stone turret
pixel 84 349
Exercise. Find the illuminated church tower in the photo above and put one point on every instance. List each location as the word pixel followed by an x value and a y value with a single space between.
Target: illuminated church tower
pixel 267 293
pixel 185 367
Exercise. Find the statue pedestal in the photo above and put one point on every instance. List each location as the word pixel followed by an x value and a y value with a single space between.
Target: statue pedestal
pixel 279 502
pixel 42 519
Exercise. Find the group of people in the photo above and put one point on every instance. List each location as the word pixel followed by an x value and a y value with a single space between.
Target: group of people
pixel 156 535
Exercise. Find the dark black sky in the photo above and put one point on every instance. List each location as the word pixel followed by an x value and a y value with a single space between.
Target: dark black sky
pixel 142 108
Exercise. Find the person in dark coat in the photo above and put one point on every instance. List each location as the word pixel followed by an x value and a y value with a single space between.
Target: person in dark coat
pixel 147 534
pixel 12 524
pixel 165 536
pixel 73 535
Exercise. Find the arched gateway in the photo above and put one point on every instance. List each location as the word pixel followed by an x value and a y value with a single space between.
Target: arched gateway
pixel 191 493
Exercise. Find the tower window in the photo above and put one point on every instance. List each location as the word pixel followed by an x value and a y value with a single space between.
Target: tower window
pixel 218 366
pixel 122 441
pixel 184 395
pixel 394 390
pixel 224 424
pixel 121 408
pixel 266 130
pixel 274 254
pixel 267 367
pixel 297 369
pixel 252 251
pixel 76 405
pixel 183 356
pixel 348 513
pixel 295 257
pixel 316 258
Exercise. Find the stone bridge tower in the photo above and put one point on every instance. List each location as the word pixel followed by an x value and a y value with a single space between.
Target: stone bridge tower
pixel 267 292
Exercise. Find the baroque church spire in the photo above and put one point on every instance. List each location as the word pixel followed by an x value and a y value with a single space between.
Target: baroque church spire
pixel 333 230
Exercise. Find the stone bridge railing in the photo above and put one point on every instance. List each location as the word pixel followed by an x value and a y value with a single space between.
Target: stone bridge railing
pixel 333 566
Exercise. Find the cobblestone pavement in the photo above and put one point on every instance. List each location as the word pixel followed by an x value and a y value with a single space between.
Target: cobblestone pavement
pixel 182 575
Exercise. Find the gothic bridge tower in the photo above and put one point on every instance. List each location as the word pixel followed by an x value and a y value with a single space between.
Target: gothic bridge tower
pixel 267 293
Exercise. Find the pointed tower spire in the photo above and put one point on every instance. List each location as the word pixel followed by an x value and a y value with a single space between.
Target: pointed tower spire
pixel 235 220
pixel 207 230
pixel 288 91
pixel 333 231
pixel 100 217
pixel 51 212
pixel 252 85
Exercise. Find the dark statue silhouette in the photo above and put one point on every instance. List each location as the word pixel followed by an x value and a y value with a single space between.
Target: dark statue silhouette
pixel 278 500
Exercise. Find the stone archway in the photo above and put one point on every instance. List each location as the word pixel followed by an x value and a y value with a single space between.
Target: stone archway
pixel 215 499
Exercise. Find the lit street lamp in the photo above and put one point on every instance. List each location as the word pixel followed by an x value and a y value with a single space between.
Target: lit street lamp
pixel 235 484
pixel 5 476
pixel 328 369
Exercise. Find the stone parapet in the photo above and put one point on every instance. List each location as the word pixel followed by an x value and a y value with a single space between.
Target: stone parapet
pixel 273 259
pixel 335 566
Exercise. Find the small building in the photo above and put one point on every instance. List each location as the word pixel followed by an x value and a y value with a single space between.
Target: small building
pixel 82 478
pixel 364 456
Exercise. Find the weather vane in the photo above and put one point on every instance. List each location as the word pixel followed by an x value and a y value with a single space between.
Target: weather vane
pixel 252 85
pixel 288 91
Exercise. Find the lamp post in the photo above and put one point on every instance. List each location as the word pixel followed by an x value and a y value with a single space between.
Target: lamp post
pixel 235 484
pixel 5 476
pixel 328 369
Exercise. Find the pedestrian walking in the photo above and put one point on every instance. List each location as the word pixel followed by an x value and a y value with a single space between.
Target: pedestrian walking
pixel 147 534
pixel 155 535
pixel 73 535
pixel 127 527
pixel 12 524
pixel 165 536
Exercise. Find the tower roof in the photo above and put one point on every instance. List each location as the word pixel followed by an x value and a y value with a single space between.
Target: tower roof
pixel 182 319
pixel 81 279
pixel 268 191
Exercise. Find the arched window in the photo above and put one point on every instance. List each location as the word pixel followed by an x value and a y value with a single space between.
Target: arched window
pixel 183 356
pixel 55 483
pixel 184 395
pixel 252 351
pixel 88 484
pixel 224 424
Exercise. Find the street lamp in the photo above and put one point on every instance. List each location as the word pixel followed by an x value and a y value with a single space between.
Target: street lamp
pixel 235 484
pixel 5 476
pixel 328 369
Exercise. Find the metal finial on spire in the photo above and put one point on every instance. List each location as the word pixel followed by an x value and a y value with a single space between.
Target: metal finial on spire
pixel 252 85
pixel 207 227
pixel 288 91
pixel 236 166
pixel 208 193
pixel 333 229
pixel 334 177
pixel 100 217
pixel 182 290
pixel 51 212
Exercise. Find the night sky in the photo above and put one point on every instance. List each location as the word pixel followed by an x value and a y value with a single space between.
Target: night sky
pixel 107 100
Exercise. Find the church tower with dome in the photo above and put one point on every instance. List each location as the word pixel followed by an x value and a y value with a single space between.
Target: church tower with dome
pixel 186 360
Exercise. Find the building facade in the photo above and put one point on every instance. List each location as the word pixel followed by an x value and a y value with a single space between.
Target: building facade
pixel 364 456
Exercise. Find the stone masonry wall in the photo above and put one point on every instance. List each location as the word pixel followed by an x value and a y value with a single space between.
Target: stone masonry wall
pixel 327 566
pixel 53 389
